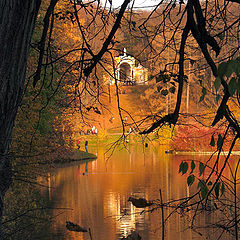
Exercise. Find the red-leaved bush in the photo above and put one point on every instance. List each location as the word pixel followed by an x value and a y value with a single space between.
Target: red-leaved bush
pixel 198 138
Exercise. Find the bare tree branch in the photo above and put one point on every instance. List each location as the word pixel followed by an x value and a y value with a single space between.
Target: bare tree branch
pixel 87 71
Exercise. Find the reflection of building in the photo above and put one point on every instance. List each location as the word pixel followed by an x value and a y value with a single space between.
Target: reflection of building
pixel 127 217
pixel 127 71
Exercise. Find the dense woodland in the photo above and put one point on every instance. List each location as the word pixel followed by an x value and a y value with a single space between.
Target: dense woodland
pixel 191 50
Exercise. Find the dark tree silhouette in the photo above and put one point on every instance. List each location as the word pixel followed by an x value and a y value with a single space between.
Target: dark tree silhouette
pixel 17 20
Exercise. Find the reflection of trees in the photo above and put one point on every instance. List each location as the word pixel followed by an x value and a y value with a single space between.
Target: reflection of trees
pixel 101 197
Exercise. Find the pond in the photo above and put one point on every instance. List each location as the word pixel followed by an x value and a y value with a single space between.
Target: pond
pixel 95 195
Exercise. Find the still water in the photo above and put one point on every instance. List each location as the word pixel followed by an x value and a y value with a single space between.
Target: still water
pixel 95 195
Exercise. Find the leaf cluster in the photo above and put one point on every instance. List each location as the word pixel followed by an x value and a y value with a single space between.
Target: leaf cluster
pixel 164 78
pixel 231 71
pixel 203 185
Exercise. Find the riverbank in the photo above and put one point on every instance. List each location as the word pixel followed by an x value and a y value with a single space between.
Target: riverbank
pixel 76 155
pixel 111 136
pixel 224 153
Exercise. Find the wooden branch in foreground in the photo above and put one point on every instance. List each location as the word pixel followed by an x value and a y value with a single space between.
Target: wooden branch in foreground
pixel 43 40
pixel 87 71
pixel 173 117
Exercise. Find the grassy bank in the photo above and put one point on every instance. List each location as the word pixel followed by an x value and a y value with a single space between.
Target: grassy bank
pixel 77 155
pixel 94 140
pixel 81 155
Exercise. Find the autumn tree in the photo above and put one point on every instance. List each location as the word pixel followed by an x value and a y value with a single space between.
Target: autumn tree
pixel 198 33
pixel 17 23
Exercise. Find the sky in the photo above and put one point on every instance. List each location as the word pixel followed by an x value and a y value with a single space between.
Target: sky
pixel 137 3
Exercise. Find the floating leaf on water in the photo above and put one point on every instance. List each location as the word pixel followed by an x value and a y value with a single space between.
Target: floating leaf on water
pixel 133 236
pixel 140 202
pixel 75 227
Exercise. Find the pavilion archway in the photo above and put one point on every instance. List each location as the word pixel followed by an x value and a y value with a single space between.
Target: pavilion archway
pixel 125 74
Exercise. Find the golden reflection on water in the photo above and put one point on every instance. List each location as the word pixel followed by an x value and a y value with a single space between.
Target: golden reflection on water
pixel 97 199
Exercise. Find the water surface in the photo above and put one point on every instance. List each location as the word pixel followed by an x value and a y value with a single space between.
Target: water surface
pixel 96 195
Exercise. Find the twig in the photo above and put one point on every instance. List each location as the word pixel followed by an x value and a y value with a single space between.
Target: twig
pixel 90 234
pixel 115 27
pixel 162 213
pixel 235 201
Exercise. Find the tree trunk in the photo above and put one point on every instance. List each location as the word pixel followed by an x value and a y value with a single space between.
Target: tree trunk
pixel 17 18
